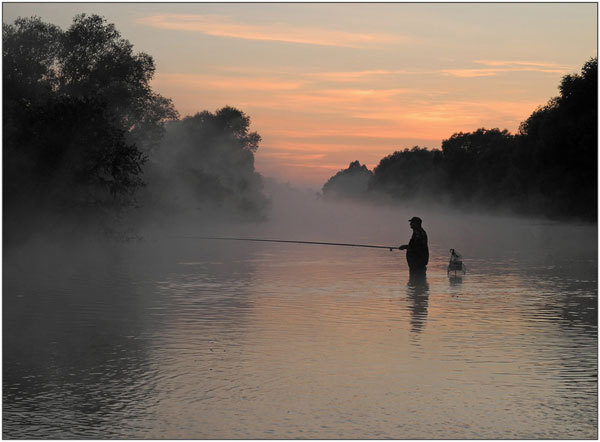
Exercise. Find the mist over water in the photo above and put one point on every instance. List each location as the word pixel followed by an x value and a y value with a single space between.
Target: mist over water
pixel 179 337
pixel 121 319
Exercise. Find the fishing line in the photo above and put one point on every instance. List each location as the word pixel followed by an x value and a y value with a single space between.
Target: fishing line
pixel 293 242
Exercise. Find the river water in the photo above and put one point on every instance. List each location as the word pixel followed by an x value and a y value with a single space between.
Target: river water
pixel 184 338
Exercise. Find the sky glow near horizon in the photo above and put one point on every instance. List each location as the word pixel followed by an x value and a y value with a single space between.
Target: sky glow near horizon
pixel 329 83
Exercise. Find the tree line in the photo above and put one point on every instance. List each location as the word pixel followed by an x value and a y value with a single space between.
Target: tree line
pixel 548 168
pixel 85 136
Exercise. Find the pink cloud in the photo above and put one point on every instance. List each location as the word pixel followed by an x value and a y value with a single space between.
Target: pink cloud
pixel 498 67
pixel 221 26
pixel 202 82
pixel 537 64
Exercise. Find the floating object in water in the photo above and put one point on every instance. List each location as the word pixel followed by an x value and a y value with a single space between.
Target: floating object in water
pixel 456 264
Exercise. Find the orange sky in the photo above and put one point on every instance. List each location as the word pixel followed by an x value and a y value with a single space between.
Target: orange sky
pixel 329 83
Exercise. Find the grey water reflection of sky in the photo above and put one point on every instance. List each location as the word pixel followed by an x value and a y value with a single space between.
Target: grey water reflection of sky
pixel 182 339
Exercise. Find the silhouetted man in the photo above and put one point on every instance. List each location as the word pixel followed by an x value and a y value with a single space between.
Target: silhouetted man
pixel 417 252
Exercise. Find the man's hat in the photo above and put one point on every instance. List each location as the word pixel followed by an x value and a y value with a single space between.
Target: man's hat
pixel 416 219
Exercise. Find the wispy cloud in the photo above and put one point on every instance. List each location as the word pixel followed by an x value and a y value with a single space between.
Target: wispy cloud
pixel 339 100
pixel 292 93
pixel 455 112
pixel 315 166
pixel 470 73
pixel 221 26
pixel 332 76
pixel 363 75
pixel 531 64
pixel 208 82
pixel 290 155
pixel 497 67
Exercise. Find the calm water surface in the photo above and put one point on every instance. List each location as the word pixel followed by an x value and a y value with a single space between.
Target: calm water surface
pixel 188 339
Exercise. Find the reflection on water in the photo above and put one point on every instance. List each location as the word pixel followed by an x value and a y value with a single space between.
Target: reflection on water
pixel 183 340
pixel 455 280
pixel 418 292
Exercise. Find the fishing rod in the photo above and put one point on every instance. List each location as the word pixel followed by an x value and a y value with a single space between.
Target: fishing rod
pixel 293 242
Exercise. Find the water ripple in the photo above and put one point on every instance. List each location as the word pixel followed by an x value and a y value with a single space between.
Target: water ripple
pixel 311 343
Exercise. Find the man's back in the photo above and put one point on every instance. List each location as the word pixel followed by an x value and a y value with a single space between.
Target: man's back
pixel 417 253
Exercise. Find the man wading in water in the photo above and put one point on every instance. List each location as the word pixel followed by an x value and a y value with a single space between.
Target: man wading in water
pixel 417 252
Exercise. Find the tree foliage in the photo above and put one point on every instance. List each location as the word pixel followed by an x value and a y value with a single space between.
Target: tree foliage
pixel 548 168
pixel 79 114
pixel 83 129
pixel 405 174
pixel 560 144
pixel 73 154
pixel 206 161
pixel 29 52
pixel 95 60
pixel 349 183
pixel 475 166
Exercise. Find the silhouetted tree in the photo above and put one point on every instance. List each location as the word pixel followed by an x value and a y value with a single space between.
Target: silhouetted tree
pixel 559 143
pixel 79 114
pixel 94 61
pixel 548 168
pixel 352 182
pixel 406 174
pixel 476 166
pixel 29 52
pixel 207 161
pixel 81 157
